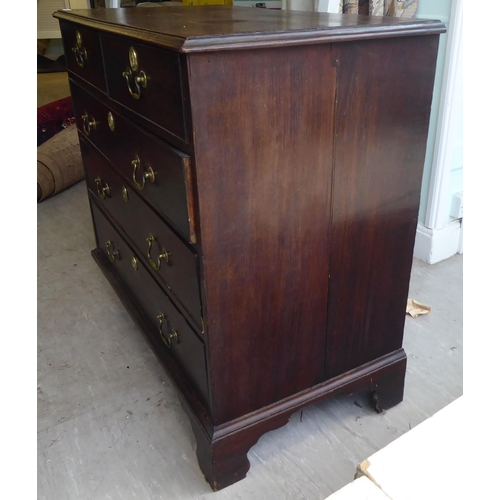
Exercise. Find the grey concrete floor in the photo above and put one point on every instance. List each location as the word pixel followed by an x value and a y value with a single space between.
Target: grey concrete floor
pixel 109 422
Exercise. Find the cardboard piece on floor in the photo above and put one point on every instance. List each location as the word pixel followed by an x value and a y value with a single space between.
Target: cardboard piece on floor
pixel 414 308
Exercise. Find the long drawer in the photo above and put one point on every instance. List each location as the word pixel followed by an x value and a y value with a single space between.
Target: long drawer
pixel 169 332
pixel 156 171
pixel 174 262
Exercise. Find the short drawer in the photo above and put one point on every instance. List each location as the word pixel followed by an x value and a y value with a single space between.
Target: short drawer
pixel 169 333
pixel 156 171
pixel 146 80
pixel 173 262
pixel 82 48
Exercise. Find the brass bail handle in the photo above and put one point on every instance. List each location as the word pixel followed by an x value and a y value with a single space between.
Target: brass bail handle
pixel 148 175
pixel 88 124
pixel 172 336
pixel 79 51
pixel 102 188
pixel 163 255
pixel 135 82
pixel 112 253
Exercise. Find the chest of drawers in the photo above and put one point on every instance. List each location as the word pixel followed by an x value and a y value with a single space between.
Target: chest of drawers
pixel 254 181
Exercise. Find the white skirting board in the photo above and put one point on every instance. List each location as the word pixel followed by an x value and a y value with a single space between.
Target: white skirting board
pixel 435 245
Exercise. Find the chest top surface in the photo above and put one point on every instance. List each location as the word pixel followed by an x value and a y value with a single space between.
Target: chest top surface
pixel 217 27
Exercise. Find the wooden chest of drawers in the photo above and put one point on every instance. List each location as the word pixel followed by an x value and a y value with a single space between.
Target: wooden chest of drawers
pixel 254 180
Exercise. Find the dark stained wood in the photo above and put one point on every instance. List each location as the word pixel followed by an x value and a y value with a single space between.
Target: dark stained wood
pixel 224 460
pixel 138 222
pixel 171 193
pixel 384 101
pixel 218 27
pixel 222 450
pixel 93 68
pixel 189 351
pixel 161 101
pixel 263 200
pixel 222 453
pixel 303 139
pixel 387 387
pixel 186 391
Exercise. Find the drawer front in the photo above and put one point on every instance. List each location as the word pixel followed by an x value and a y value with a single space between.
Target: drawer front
pixel 82 48
pixel 170 334
pixel 146 80
pixel 136 153
pixel 172 261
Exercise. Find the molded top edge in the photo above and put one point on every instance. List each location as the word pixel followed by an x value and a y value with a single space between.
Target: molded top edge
pixel 218 27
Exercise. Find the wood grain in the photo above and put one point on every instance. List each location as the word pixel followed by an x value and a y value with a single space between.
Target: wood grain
pixel 179 277
pixel 263 197
pixel 188 354
pixel 161 101
pixel 306 163
pixel 171 192
pixel 93 68
pixel 384 102
pixel 219 27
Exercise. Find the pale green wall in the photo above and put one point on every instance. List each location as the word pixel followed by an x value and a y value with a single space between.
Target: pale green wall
pixel 456 174
pixel 433 9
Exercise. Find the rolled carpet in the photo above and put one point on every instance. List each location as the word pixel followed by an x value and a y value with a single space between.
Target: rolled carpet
pixel 59 163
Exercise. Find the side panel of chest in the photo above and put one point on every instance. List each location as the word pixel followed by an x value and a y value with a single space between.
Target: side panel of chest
pixel 263 129
pixel 384 100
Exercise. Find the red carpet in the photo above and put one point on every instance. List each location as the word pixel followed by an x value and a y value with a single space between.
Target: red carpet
pixel 53 118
